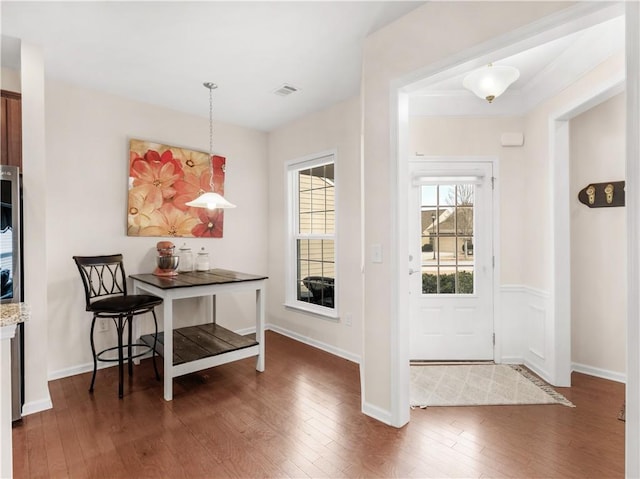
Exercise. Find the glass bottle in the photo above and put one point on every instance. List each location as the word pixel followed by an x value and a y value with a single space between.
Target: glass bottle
pixel 186 259
pixel 202 261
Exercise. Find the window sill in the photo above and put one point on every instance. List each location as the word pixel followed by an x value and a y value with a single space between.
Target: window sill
pixel 324 313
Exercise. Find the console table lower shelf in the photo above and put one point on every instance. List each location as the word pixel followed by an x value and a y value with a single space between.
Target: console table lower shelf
pixel 204 346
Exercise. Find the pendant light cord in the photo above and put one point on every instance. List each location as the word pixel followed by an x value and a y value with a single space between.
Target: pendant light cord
pixel 211 87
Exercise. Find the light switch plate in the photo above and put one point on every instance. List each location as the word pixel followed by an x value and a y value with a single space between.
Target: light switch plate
pixel 376 253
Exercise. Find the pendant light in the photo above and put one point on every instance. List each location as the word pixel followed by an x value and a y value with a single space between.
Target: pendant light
pixel 491 81
pixel 210 199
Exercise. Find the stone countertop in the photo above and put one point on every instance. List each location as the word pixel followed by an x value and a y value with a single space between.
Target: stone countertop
pixel 14 313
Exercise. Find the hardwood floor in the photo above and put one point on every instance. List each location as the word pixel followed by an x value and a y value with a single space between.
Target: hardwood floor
pixel 301 418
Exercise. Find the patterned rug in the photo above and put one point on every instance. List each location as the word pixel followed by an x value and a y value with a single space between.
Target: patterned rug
pixel 478 385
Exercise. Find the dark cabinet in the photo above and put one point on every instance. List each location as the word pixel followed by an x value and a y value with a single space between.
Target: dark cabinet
pixel 11 129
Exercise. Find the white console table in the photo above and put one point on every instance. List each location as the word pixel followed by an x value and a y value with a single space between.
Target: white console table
pixel 190 349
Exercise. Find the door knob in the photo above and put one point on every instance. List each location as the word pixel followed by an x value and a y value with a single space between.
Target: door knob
pixel 413 271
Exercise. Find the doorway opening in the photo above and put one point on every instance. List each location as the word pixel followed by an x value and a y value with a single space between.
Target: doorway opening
pixel 555 321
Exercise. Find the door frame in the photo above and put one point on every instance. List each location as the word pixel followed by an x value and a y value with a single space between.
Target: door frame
pixel 495 230
pixel 561 236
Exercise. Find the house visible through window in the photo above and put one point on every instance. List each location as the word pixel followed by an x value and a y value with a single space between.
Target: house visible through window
pixel 447 239
pixel 312 255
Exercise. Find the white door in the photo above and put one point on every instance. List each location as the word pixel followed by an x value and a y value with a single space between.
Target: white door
pixel 451 260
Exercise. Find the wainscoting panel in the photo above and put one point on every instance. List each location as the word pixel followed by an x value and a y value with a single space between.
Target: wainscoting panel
pixel 510 342
pixel 526 329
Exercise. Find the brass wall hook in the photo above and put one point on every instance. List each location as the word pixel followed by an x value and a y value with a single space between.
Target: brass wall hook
pixel 608 191
pixel 598 195
pixel 591 194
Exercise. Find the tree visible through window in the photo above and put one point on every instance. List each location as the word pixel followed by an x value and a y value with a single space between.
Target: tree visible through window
pixel 312 226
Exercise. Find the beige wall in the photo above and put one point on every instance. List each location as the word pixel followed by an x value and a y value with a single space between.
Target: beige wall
pixel 481 137
pixel 87 171
pixel 598 241
pixel 10 80
pixel 405 47
pixel 337 128
pixel 538 268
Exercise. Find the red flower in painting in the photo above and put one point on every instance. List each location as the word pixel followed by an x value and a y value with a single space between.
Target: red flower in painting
pixel 190 188
pixel 211 224
pixel 219 168
pixel 155 171
pixel 193 186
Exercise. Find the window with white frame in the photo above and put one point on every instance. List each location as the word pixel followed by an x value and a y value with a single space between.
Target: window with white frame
pixel 312 234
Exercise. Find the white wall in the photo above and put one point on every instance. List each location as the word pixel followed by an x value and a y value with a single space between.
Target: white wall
pixel 481 137
pixel 632 423
pixel 87 176
pixel 35 234
pixel 338 128
pixel 397 53
pixel 10 80
pixel 598 243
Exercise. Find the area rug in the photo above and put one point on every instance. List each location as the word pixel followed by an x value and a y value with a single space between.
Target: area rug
pixel 479 385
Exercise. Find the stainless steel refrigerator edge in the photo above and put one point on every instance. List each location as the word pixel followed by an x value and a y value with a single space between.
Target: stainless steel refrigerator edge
pixel 11 273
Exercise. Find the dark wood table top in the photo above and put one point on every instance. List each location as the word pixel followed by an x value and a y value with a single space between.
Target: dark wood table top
pixel 196 278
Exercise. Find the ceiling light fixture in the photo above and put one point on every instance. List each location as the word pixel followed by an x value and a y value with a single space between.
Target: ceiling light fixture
pixel 491 81
pixel 210 199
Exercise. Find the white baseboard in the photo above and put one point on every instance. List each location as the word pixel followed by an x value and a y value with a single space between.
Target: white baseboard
pixel 33 407
pixel 599 373
pixel 511 360
pixel 377 413
pixel 539 371
pixel 245 331
pixel 87 368
pixel 72 371
pixel 354 358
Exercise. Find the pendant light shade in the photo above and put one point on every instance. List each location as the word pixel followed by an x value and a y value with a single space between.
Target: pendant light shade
pixel 491 81
pixel 210 199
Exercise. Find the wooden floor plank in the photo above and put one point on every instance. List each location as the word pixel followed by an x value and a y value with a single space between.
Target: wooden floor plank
pixel 301 418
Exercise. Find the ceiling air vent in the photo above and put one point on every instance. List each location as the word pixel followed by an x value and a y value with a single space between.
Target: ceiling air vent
pixel 286 90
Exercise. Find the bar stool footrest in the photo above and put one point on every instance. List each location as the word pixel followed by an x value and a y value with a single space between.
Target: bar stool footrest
pixel 146 350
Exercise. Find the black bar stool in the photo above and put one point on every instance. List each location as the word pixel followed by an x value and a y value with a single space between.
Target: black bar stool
pixel 105 288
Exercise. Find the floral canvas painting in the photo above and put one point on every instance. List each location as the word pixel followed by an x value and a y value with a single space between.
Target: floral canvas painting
pixel 162 179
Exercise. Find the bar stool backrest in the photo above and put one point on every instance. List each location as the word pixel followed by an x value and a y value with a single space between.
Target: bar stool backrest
pixel 102 276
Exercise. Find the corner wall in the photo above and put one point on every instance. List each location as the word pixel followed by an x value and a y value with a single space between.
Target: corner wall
pixel 546 268
pixel 35 233
pixel 598 244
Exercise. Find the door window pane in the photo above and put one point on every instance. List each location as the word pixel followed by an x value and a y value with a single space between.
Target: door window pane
pixel 447 239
